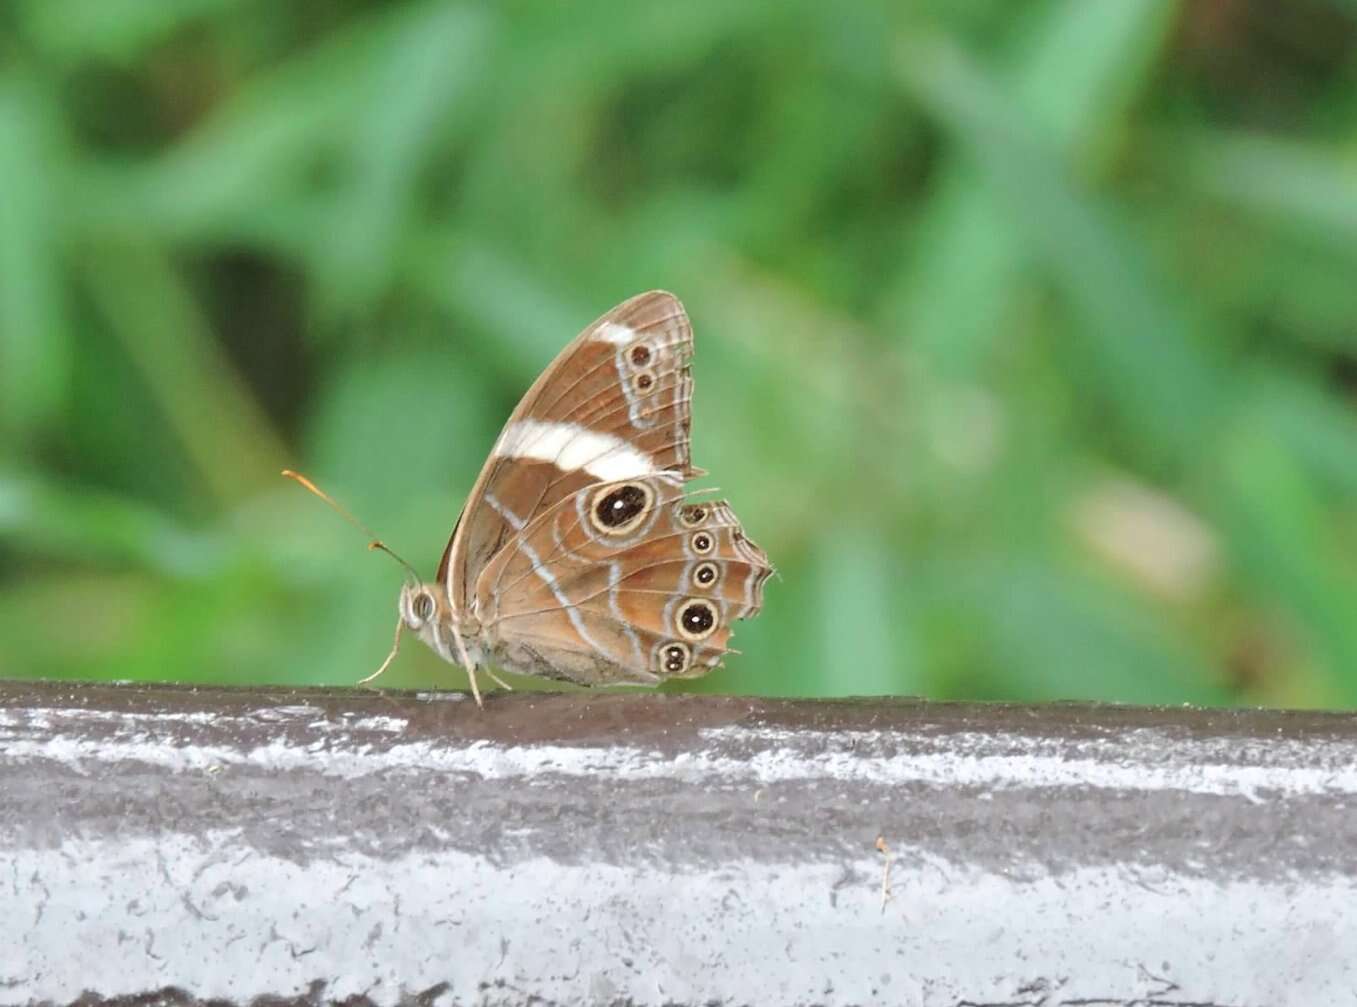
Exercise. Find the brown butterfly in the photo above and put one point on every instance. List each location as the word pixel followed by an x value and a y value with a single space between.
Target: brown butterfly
pixel 580 555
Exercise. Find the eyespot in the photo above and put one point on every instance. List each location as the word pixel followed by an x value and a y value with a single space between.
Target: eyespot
pixel 424 607
pixel 692 515
pixel 643 383
pixel 640 355
pixel 675 658
pixel 702 543
pixel 616 510
pixel 696 619
pixel 706 575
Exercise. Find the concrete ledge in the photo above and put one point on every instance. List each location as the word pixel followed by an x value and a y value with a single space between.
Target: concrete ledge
pixel 168 845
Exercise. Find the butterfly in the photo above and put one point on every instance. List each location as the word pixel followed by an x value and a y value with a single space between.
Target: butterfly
pixel 581 555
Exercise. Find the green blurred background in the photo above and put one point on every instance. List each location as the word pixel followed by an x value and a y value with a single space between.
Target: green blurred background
pixel 1027 333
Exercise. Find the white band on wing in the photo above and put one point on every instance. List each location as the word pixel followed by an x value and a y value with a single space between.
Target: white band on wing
pixel 611 332
pixel 571 447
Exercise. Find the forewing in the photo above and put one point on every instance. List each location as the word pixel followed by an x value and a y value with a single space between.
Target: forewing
pixel 613 405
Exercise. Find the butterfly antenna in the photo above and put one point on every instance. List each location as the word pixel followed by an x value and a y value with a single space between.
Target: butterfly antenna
pixel 375 543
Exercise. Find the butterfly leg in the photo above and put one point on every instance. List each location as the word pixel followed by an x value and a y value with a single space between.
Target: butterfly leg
pixel 499 681
pixel 475 689
pixel 395 649
pixel 466 663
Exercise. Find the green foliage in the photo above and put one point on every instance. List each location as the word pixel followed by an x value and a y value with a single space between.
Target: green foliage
pixel 1026 333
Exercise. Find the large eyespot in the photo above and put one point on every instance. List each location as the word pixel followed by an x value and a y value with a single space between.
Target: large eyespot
pixel 640 355
pixel 675 658
pixel 616 510
pixel 706 575
pixel 423 606
pixel 693 515
pixel 643 383
pixel 702 543
pixel 696 619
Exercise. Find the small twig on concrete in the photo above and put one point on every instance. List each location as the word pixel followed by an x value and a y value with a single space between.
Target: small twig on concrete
pixel 885 872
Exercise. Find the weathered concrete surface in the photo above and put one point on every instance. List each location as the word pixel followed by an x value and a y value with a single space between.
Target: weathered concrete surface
pixel 171 845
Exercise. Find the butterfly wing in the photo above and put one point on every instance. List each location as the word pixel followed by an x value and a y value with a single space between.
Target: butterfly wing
pixel 626 581
pixel 613 405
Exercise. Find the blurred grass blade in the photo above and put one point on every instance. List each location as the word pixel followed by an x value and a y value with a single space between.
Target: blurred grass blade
pixel 35 345
pixel 1075 75
pixel 1302 186
pixel 1081 70
pixel 1138 346
pixel 1064 636
pixel 223 432
pixel 257 145
pixel 86 527
pixel 1289 549
pixel 863 634
pixel 118 30
pixel 1318 430
pixel 420 83
pixel 468 277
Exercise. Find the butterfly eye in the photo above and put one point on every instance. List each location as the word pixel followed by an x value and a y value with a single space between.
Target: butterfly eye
pixel 640 355
pixel 696 619
pixel 643 382
pixel 675 658
pixel 424 607
pixel 617 510
pixel 706 574
pixel 702 543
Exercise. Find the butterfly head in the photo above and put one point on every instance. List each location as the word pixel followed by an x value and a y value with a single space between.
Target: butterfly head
pixel 425 610
pixel 419 606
